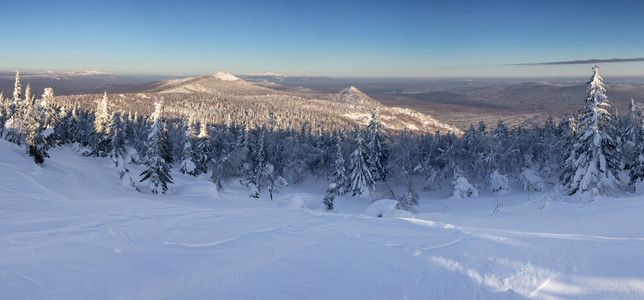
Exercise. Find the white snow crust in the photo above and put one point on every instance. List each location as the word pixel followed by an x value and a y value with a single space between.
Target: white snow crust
pixel 70 230
pixel 225 76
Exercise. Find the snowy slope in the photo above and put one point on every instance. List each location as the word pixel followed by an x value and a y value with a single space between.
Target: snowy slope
pixel 225 76
pixel 70 230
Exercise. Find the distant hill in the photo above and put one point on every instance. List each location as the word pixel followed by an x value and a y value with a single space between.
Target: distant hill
pixel 223 98
pixel 456 101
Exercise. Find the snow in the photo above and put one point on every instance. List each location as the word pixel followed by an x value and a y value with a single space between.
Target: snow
pixel 531 181
pixel 461 188
pixel 70 230
pixel 225 76
pixel 498 182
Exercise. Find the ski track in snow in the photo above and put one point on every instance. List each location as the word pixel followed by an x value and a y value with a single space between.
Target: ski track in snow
pixel 71 230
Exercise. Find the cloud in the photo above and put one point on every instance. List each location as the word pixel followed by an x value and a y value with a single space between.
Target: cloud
pixel 581 62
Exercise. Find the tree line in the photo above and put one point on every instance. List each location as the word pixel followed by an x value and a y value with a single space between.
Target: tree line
pixel 592 152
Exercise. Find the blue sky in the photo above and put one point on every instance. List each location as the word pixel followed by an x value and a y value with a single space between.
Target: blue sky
pixel 331 38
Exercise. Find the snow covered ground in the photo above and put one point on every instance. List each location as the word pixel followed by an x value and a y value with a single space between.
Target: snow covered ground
pixel 70 230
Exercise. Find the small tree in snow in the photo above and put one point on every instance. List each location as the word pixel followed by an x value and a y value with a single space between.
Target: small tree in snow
pixel 409 199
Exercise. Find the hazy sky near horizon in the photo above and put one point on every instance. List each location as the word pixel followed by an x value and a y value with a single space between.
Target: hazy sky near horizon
pixel 330 38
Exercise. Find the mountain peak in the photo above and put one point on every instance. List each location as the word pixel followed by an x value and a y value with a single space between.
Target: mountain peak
pixel 225 76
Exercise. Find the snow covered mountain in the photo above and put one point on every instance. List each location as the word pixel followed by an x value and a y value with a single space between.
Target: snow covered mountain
pixel 228 99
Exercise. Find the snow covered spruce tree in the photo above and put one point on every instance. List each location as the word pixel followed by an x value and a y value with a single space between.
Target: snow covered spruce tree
pixel 100 143
pixel 4 113
pixel 17 112
pixel 35 140
pixel 204 149
pixel 189 153
pixel 118 151
pixel 629 127
pixel 637 163
pixel 377 153
pixel 340 181
pixel 593 161
pixel 158 154
pixel 408 199
pixel 361 179
pixel 49 116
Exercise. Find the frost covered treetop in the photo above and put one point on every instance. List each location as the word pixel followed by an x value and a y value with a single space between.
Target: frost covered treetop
pixel 596 87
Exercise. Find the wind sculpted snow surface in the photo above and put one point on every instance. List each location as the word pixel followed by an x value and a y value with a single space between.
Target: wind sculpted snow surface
pixel 70 230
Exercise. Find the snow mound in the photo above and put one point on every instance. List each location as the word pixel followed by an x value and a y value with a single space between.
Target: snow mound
pixel 498 182
pixel 461 188
pixel 531 181
pixel 385 208
pixel 302 200
pixel 225 76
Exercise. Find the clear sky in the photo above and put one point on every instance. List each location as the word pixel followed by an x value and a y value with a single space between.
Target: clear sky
pixel 325 37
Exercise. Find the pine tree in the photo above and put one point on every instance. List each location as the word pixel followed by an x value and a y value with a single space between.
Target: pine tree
pixel 329 197
pixel 409 199
pixel 4 112
pixel 118 152
pixel 377 153
pixel 260 167
pixel 102 119
pixel 189 153
pixel 17 94
pixel 35 140
pixel 630 126
pixel 49 116
pixel 361 179
pixel 594 159
pixel 158 166
pixel 17 113
pixel 340 173
pixel 204 150
pixel 637 163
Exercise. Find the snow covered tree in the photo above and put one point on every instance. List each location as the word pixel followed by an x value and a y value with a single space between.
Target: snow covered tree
pixel 158 163
pixel 36 144
pixel 17 94
pixel 329 197
pixel 593 162
pixel 409 199
pixel 377 153
pixel 340 181
pixel 189 153
pixel 103 116
pixel 49 116
pixel 260 165
pixel 637 163
pixel 4 112
pixel 100 137
pixel 340 173
pixel 204 150
pixel 629 127
pixel 361 179
pixel 17 113
pixel 118 152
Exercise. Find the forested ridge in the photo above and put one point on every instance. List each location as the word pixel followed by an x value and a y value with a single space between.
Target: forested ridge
pixel 592 152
